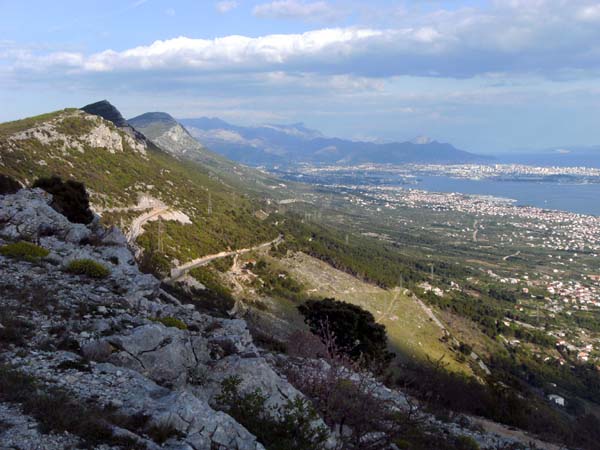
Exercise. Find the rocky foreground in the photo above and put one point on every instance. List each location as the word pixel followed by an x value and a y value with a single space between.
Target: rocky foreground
pixel 121 349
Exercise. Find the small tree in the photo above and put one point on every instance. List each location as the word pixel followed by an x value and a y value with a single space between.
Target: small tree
pixel 354 330
pixel 68 197
pixel 8 185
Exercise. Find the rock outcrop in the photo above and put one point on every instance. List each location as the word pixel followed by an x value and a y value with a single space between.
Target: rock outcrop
pixel 108 112
pixel 103 342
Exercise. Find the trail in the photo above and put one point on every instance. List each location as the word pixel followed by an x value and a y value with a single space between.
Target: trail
pixel 476 230
pixel 430 313
pixel 181 270
pixel 514 255
pixel 388 313
pixel 138 223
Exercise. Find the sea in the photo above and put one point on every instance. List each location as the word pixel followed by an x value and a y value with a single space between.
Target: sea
pixel 576 198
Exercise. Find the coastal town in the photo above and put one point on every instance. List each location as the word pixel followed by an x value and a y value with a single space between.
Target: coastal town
pixel 559 293
pixel 465 171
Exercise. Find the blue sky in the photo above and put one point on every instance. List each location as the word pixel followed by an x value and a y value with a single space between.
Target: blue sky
pixel 488 76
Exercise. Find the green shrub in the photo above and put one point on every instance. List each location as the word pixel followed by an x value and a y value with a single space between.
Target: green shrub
pixel 162 432
pixel 277 283
pixel 466 443
pixel 154 263
pixel 353 329
pixel 24 250
pixel 68 197
pixel 210 279
pixel 170 321
pixel 289 426
pixel 203 299
pixel 88 267
pixel 8 185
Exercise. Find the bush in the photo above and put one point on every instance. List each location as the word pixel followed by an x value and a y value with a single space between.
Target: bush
pixel 211 280
pixel 88 267
pixel 466 443
pixel 8 185
pixel 14 330
pixel 162 432
pixel 171 322
pixel 353 329
pixel 24 250
pixel 289 426
pixel 277 283
pixel 465 348
pixel 57 411
pixel 203 299
pixel 154 263
pixel 68 197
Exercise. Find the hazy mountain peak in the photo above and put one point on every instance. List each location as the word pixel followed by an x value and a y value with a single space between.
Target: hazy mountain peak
pixel 150 117
pixel 422 140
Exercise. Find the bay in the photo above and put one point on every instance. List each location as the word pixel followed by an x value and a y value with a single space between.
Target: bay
pixel 577 198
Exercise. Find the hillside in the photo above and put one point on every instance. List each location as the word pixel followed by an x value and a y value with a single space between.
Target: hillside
pixel 168 134
pixel 129 176
pixel 284 144
pixel 108 360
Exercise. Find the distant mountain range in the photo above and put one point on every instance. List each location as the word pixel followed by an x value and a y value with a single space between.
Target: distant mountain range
pixel 285 144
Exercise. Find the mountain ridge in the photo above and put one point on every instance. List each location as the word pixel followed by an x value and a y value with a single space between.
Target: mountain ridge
pixel 170 135
pixel 124 171
pixel 282 144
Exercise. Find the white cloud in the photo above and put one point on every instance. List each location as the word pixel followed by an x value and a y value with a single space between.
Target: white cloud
pixel 551 38
pixel 138 3
pixel 170 12
pixel 226 6
pixel 590 13
pixel 297 9
pixel 227 53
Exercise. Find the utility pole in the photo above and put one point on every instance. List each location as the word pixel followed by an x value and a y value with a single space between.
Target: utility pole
pixel 209 209
pixel 160 235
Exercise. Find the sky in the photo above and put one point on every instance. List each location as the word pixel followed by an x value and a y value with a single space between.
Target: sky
pixel 486 75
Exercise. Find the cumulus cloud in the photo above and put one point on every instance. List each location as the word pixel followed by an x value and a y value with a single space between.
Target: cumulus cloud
pixel 549 38
pixel 297 9
pixel 226 6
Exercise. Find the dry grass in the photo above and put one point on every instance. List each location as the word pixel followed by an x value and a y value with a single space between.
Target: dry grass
pixel 409 329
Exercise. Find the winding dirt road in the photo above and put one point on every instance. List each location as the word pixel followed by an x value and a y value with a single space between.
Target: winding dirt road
pixel 137 226
pixel 181 270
